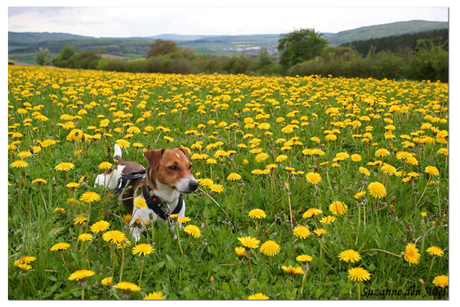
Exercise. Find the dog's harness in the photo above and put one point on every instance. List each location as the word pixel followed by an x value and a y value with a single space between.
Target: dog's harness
pixel 153 202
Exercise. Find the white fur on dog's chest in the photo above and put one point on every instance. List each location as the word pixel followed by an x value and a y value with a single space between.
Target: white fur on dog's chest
pixel 145 214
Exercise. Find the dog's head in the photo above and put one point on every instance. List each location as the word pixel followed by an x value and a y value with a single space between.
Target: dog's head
pixel 171 167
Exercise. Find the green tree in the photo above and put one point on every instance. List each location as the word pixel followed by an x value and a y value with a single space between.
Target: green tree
pixel 300 46
pixel 66 57
pixel 42 56
pixel 161 47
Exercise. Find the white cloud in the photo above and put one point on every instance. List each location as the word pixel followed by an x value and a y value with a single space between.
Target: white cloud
pixel 148 21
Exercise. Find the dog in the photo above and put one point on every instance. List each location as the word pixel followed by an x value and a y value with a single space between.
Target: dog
pixel 167 177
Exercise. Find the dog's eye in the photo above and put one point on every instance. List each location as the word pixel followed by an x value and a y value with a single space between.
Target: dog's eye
pixel 173 168
pixel 190 167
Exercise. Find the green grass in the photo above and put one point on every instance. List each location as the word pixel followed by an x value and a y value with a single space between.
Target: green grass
pixel 209 268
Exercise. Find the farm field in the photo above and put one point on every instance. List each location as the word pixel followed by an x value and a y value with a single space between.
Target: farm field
pixel 310 188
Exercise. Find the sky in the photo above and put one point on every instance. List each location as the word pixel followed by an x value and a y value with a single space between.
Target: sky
pixel 99 19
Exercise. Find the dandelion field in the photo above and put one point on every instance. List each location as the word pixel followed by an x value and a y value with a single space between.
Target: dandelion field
pixel 310 187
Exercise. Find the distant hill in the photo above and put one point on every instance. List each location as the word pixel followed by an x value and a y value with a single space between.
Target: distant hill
pixel 27 38
pixel 400 43
pixel 384 30
pixel 20 44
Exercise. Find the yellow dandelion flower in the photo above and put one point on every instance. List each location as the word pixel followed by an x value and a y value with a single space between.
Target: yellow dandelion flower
pixel 89 197
pixel 206 182
pixel 412 254
pixel 257 214
pixel 258 297
pixel 358 274
pixel 382 152
pixel 319 232
pixel 388 169
pixel 24 260
pixel 441 281
pixel 233 177
pixel 39 181
pixel 123 143
pixel 79 220
pixel 377 190
pixel 349 256
pixel 100 226
pixel 155 296
pixel 281 158
pixel 301 232
pixel 435 251
pixel 240 251
pixel 107 281
pixel 183 220
pixel 143 249
pixel 217 188
pixel 114 236
pixel 293 270
pixel 313 178
pixel 64 166
pixel 359 195
pixel 24 266
pixel 444 151
pixel 249 242
pixel 304 258
pixel 19 164
pixel 72 185
pixel 327 220
pixel 270 248
pixel 59 246
pixel 338 207
pixel 59 210
pixel 139 202
pixel 24 154
pixel 127 286
pixel 81 274
pixel 356 158
pixel 432 170
pixel 85 237
pixel 193 230
pixel 364 171
pixel 311 212
pixel 105 165
pixel 262 157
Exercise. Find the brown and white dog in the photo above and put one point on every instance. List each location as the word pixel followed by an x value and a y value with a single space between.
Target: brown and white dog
pixel 168 176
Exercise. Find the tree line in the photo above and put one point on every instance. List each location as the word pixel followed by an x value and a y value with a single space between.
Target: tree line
pixel 302 52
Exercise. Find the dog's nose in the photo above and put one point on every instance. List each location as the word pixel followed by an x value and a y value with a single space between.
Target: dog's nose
pixel 193 185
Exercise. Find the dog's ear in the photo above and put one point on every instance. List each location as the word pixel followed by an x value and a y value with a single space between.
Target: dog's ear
pixel 185 151
pixel 153 157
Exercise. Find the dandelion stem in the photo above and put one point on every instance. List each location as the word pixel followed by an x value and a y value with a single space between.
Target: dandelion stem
pixel 178 240
pixel 122 262
pixel 290 209
pixel 423 193
pixel 62 256
pixel 187 246
pixel 142 267
pixel 213 200
pixel 303 281
pixel 39 186
pixel 250 269
pixel 429 272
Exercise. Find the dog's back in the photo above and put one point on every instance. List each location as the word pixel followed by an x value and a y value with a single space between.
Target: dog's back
pixel 111 176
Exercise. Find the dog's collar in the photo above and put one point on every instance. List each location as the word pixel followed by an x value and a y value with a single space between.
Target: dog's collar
pixel 156 204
